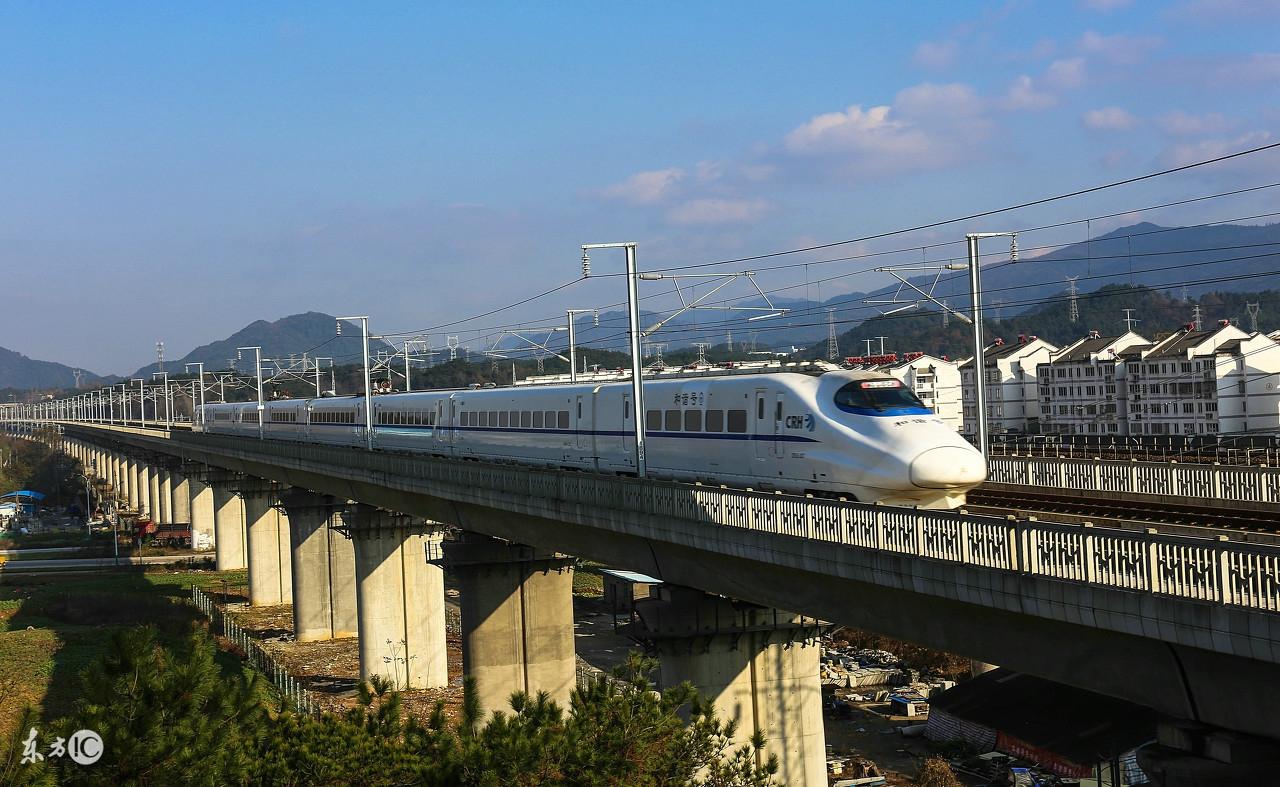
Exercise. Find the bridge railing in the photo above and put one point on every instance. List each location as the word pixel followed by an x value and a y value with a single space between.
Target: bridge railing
pixel 1204 569
pixel 1221 482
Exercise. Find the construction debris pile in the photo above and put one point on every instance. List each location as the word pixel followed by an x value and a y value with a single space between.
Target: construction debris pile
pixel 853 771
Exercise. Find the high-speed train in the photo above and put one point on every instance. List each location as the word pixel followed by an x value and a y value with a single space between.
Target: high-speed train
pixel 854 434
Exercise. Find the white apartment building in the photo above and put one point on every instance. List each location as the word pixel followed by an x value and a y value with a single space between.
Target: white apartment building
pixel 1083 388
pixel 1012 384
pixel 1204 382
pixel 935 380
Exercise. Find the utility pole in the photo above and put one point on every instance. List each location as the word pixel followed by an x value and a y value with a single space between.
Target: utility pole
pixel 833 342
pixel 868 343
pixel 1074 291
pixel 1129 319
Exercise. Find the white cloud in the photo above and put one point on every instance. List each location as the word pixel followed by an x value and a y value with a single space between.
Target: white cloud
pixel 854 130
pixel 1118 49
pixel 1109 119
pixel 1105 5
pixel 718 210
pixel 928 100
pixel 935 54
pixel 1066 74
pixel 1023 94
pixel 1184 124
pixel 1191 152
pixel 646 188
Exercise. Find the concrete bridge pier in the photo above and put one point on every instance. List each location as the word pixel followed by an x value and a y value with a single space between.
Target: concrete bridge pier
pixel 758 665
pixel 130 481
pixel 199 504
pixel 517 619
pixel 324 568
pixel 164 474
pixel 270 565
pixel 180 488
pixel 230 539
pixel 399 597
pixel 150 489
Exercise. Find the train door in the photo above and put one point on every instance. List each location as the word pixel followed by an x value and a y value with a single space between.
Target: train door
pixel 453 420
pixel 768 418
pixel 628 432
pixel 580 425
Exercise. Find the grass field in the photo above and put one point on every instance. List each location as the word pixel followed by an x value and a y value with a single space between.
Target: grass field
pixel 53 627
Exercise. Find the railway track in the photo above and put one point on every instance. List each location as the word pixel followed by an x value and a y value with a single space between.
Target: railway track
pixel 1174 518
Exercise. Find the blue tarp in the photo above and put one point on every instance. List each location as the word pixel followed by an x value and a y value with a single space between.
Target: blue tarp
pixel 24 493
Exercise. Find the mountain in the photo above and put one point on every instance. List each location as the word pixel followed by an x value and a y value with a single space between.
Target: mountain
pixel 1156 312
pixel 19 371
pixel 311 332
pixel 1203 259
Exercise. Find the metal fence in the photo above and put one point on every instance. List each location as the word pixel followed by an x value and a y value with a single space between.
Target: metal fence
pixel 1216 482
pixel 258 657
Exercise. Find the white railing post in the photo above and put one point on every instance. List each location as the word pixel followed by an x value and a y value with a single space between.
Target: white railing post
pixel 1222 567
pixel 1087 553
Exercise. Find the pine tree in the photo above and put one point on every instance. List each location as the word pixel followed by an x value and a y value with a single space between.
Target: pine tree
pixel 165 716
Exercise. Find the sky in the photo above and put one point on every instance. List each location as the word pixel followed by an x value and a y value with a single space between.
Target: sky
pixel 174 171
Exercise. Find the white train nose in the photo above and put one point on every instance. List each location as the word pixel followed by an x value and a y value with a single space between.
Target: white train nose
pixel 939 468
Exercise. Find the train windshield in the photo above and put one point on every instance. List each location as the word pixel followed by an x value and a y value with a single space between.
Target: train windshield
pixel 876 395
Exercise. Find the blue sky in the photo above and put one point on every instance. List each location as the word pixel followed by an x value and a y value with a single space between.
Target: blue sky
pixel 173 172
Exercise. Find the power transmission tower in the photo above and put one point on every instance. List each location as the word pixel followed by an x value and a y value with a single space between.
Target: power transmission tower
pixel 702 352
pixel 1074 292
pixel 833 343
pixel 1129 319
pixel 729 341
pixel 1185 297
pixel 752 344
pixel 946 313
pixel 452 341
pixel 1197 319
pixel 159 356
pixel 541 363
pixel 79 373
pixel 1253 309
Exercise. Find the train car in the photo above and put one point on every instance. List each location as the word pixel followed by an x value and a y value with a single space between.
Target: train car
pixel 854 434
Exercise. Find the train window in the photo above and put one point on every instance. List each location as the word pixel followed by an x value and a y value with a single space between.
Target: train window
pixel 877 395
pixel 673 421
pixel 562 420
pixel 515 418
pixel 777 412
pixel 493 418
pixel 715 421
pixel 759 408
pixel 653 420
pixel 693 420
pixel 579 410
pixel 738 421
pixel 537 419
pixel 526 419
pixel 550 419
pixel 504 418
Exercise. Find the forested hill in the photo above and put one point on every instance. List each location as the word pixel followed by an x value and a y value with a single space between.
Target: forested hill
pixel 1156 312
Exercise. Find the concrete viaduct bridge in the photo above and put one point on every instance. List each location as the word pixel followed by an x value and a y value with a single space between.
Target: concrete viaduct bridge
pixel 1188 626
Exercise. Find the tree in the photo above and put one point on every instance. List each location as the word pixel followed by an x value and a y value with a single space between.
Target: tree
pixel 166 716
pixel 936 773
